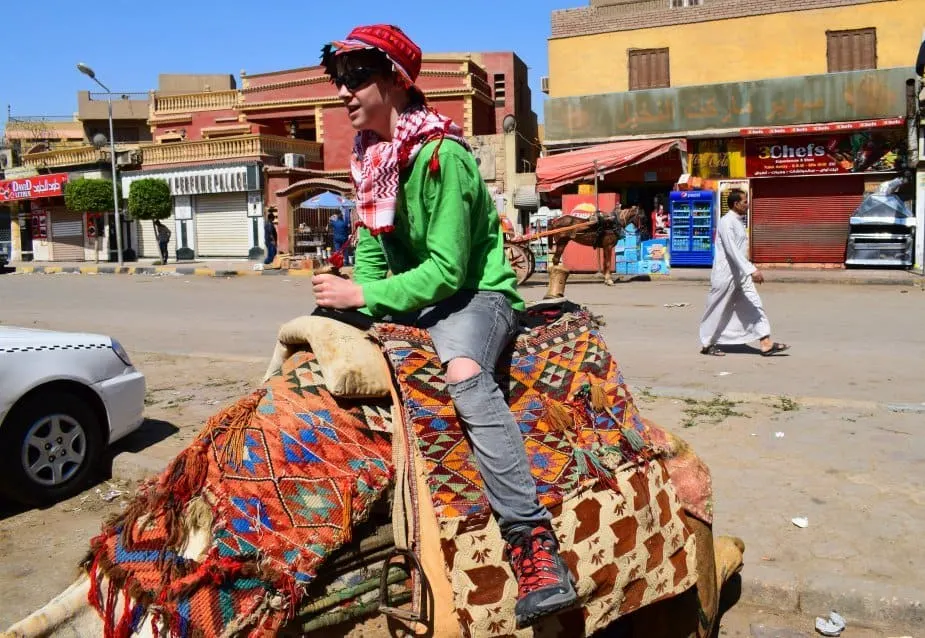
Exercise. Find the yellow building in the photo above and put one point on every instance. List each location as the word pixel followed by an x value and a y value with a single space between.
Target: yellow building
pixel 804 102
pixel 620 45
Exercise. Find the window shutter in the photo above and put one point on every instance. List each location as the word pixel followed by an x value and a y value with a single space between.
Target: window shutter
pixel 852 50
pixel 649 69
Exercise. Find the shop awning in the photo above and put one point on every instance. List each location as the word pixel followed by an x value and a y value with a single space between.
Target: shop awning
pixel 577 166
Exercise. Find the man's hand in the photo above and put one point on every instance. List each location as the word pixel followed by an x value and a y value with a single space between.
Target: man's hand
pixel 758 277
pixel 332 291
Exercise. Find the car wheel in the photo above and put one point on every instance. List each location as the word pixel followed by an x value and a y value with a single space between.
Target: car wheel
pixel 49 446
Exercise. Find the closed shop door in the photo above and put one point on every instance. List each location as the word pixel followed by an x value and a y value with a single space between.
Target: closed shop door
pixel 67 236
pixel 147 239
pixel 803 220
pixel 221 225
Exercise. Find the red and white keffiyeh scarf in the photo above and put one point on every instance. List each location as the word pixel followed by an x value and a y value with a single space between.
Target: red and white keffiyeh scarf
pixel 376 164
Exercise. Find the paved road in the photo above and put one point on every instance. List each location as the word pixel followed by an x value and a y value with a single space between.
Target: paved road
pixel 860 343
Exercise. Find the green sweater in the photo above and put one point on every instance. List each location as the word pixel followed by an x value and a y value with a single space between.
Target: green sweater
pixel 447 238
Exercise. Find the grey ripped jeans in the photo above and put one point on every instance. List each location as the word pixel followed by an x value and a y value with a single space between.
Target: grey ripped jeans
pixel 478 326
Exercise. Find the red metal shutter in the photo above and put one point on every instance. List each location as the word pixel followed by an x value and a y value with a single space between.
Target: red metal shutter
pixel 803 220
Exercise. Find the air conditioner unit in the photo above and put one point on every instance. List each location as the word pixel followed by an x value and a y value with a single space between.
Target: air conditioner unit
pixel 293 160
pixel 6 158
pixel 126 158
pixel 544 84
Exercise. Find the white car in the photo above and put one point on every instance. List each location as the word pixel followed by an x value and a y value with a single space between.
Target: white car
pixel 63 398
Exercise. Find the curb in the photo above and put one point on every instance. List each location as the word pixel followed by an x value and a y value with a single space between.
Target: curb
pixel 664 392
pixel 862 602
pixel 156 270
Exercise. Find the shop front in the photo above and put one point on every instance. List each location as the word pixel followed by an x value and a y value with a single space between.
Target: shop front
pixel 807 181
pixel 631 173
pixel 36 203
pixel 218 211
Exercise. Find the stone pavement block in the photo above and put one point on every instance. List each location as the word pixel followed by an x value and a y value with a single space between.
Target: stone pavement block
pixel 763 631
pixel 770 586
pixel 868 601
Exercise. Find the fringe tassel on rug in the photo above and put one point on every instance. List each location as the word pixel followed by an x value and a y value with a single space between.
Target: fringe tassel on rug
pixel 233 421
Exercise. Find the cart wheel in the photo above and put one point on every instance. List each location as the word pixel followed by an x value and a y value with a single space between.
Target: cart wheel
pixel 522 260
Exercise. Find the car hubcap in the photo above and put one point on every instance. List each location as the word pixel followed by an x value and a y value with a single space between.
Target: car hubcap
pixel 54 449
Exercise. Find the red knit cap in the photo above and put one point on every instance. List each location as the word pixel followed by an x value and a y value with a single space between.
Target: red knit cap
pixel 398 47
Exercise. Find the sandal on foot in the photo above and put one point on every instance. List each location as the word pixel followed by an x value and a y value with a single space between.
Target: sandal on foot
pixel 776 348
pixel 712 351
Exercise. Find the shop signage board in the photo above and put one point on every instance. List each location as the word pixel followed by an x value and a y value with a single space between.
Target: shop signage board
pixel 825 154
pixel 12 190
pixel 832 97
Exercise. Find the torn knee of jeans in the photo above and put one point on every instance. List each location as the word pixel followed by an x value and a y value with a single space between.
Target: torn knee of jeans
pixel 458 387
pixel 477 370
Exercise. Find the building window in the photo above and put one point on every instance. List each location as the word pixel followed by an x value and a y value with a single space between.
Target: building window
pixel 851 50
pixel 677 4
pixel 649 69
pixel 499 89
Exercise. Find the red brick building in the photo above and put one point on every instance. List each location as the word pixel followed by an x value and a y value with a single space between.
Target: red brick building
pixel 284 135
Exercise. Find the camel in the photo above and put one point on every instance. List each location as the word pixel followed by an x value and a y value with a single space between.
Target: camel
pixel 355 369
pixel 603 236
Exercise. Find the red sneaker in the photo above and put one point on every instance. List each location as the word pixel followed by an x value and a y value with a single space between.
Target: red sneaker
pixel 544 584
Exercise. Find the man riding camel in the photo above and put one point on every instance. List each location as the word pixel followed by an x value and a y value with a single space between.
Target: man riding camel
pixel 426 215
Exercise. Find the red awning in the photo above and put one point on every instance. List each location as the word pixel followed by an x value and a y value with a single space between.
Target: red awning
pixel 577 166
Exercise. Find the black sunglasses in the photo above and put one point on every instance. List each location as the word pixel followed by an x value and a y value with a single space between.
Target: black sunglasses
pixel 354 78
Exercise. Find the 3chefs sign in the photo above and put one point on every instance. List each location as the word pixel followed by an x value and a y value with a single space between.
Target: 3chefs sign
pixel 825 153
pixel 52 185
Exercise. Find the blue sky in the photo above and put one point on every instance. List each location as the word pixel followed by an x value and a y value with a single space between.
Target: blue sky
pixel 128 43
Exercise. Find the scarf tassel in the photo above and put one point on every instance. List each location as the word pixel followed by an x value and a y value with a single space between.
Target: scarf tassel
pixel 434 164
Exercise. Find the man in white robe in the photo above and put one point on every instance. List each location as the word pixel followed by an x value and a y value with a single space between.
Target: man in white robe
pixel 734 314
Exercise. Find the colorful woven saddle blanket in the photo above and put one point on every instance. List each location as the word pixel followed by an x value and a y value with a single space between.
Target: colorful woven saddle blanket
pixel 282 479
pixel 600 468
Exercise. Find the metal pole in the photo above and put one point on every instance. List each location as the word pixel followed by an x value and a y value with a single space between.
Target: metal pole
pixel 115 188
pixel 597 205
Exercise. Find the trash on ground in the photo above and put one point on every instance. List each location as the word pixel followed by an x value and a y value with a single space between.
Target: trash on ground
pixel 831 627
pixel 800 521
pixel 723 374
pixel 778 435
pixel 683 304
pixel 258 266
pixel 109 496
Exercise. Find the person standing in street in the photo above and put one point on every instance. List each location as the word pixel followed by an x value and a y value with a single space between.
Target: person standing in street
pixel 734 314
pixel 427 216
pixel 270 237
pixel 340 234
pixel 163 239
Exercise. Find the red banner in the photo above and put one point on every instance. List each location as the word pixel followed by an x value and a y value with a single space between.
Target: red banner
pixel 52 185
pixel 863 151
pixel 823 128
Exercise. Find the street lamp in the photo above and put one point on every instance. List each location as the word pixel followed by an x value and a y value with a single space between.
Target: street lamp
pixel 83 68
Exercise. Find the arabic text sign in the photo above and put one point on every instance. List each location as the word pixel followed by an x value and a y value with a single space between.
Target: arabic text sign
pixel 823 154
pixel 52 185
pixel 835 97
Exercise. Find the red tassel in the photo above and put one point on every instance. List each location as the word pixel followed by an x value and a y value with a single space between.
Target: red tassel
pixel 435 158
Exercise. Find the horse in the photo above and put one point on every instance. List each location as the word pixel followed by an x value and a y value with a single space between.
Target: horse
pixel 604 235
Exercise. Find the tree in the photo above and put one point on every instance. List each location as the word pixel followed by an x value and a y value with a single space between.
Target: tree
pixel 149 199
pixel 89 196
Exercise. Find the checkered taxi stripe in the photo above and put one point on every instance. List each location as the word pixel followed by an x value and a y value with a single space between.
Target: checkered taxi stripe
pixel 78 346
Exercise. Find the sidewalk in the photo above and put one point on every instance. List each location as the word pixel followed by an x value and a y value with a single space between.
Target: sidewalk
pixel 244 268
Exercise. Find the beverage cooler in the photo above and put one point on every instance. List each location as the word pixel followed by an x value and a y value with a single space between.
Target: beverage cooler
pixel 692 227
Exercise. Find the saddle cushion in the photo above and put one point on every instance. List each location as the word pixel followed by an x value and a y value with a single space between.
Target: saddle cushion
pixel 352 365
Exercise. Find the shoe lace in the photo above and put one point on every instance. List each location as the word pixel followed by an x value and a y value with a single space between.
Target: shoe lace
pixel 533 559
